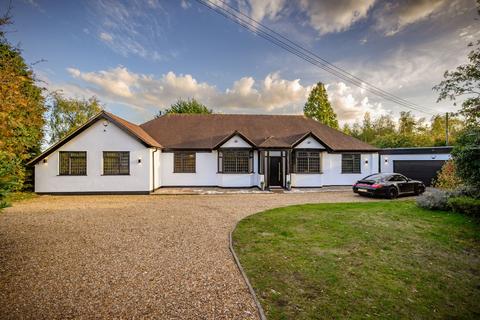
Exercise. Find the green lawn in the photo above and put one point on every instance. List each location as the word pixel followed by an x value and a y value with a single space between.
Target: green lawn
pixel 381 260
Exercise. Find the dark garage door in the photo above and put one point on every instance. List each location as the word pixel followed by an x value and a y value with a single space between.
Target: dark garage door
pixel 423 170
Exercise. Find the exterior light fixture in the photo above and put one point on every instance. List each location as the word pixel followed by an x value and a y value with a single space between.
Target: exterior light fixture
pixel 45 161
pixel 366 162
pixel 386 160
pixel 139 160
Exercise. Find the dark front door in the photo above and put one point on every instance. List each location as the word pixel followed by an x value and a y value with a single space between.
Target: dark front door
pixel 275 174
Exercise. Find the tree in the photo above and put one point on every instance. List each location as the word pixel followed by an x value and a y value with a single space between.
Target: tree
pixel 189 106
pixel 67 114
pixel 318 107
pixel 21 113
pixel 466 155
pixel 464 82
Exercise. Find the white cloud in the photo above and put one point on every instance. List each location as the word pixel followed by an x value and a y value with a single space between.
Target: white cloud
pixel 335 16
pixel 147 94
pixel 351 103
pixel 131 28
pixel 260 9
pixel 106 37
pixel 185 4
pixel 395 16
pixel 119 85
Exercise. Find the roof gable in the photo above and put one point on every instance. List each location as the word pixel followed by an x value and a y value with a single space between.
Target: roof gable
pixel 131 129
pixel 235 140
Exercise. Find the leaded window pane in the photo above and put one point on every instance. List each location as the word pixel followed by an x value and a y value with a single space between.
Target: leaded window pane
pixel 73 163
pixel 307 162
pixel 116 162
pixel 236 161
pixel 184 162
pixel 351 163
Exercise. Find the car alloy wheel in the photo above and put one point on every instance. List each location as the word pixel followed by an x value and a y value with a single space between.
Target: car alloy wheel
pixel 392 193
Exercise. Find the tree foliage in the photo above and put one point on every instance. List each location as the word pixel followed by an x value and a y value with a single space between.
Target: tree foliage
pixel 466 155
pixel 408 131
pixel 67 114
pixel 21 113
pixel 319 108
pixel 464 82
pixel 189 106
pixel 447 177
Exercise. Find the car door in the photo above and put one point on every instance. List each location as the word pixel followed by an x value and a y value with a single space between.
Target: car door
pixel 403 184
pixel 397 181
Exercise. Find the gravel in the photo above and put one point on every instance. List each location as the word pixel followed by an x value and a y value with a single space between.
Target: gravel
pixel 129 256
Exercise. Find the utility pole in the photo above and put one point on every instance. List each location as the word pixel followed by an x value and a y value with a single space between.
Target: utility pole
pixel 446 128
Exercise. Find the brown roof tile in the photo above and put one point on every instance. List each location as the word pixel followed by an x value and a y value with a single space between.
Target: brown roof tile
pixel 195 131
pixel 136 130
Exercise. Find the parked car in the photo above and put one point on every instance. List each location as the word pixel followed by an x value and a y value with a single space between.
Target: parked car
pixel 390 185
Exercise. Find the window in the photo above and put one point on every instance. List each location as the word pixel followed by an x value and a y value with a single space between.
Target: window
pixel 73 163
pixel 116 163
pixel 235 161
pixel 307 162
pixel 351 163
pixel 397 177
pixel 184 162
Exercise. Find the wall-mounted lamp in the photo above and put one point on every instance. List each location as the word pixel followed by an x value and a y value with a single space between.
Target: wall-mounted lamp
pixel 45 161
pixel 386 160
pixel 105 125
pixel 139 160
pixel 433 157
pixel 366 162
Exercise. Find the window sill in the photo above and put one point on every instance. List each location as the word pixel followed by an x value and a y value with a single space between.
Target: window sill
pixel 109 175
pixel 71 175
pixel 184 172
pixel 235 172
pixel 307 172
pixel 351 173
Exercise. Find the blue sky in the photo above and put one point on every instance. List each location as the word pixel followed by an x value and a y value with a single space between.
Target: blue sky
pixel 140 56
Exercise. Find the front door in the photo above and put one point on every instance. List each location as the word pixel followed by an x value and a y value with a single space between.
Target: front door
pixel 275 172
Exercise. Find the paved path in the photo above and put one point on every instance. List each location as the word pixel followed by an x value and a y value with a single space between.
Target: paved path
pixel 129 256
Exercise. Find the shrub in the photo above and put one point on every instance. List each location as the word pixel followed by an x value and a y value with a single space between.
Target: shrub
pixel 465 205
pixel 8 176
pixel 434 200
pixel 467 191
pixel 466 154
pixel 447 177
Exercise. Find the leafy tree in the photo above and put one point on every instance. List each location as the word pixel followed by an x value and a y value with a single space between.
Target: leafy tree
pixel 466 155
pixel 318 107
pixel 67 114
pixel 21 113
pixel 189 106
pixel 447 177
pixel 464 82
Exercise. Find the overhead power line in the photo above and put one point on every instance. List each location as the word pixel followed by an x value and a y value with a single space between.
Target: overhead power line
pixel 283 42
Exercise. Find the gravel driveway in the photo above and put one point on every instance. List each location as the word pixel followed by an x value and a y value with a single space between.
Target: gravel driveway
pixel 129 256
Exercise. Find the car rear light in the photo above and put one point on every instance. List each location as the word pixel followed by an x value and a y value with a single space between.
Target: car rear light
pixel 377 185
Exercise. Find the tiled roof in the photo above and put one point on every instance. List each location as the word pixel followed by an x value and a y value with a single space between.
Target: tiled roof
pixel 195 131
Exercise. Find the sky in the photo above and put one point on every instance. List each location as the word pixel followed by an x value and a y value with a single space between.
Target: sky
pixel 139 57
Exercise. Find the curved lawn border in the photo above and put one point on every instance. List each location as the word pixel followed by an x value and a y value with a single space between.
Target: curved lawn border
pixel 244 276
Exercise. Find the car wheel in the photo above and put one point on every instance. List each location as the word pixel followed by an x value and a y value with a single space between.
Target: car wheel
pixel 392 193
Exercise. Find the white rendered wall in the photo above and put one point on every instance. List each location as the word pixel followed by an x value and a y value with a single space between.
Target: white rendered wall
pixel 235 142
pixel 332 171
pixel 309 143
pixel 206 173
pixel 94 140
pixel 388 166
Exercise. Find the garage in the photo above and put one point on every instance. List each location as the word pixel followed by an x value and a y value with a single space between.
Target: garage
pixel 416 163
pixel 423 170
